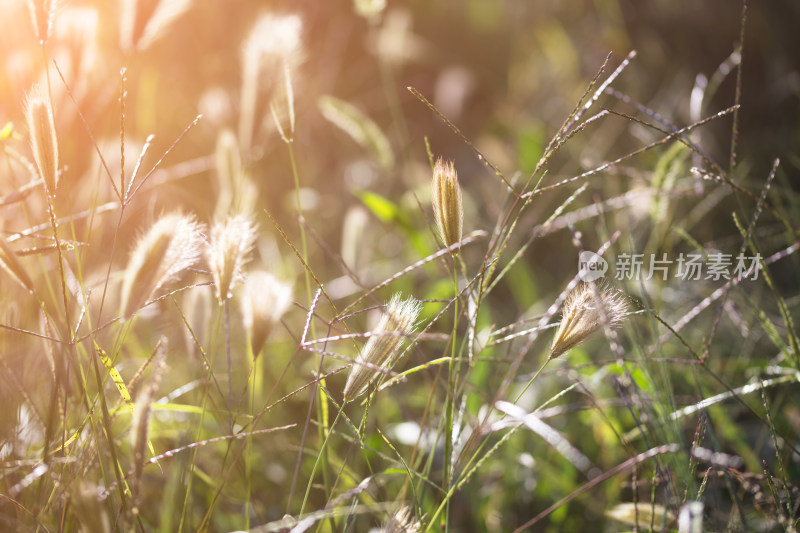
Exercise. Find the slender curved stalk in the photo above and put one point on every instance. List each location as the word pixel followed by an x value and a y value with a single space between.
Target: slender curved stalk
pixel 451 397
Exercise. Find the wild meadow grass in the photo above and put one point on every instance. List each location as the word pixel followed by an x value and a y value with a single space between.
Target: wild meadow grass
pixel 254 281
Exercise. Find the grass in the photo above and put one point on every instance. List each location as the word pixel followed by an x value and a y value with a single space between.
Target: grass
pixel 294 313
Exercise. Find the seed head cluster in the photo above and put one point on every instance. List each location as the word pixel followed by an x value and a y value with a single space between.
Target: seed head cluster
pixel 583 317
pixel 380 353
pixel 228 250
pixel 447 205
pixel 170 245
pixel 44 144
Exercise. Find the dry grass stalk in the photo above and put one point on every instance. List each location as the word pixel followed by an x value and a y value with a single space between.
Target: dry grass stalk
pixel 39 114
pixel 231 242
pixel 171 245
pixel 264 300
pixel 447 205
pixel 380 353
pixel 583 317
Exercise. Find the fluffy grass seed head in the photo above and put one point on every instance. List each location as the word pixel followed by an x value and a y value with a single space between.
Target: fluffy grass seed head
pixel 399 320
pixel 171 245
pixel 582 316
pixel 39 114
pixel 227 252
pixel 264 300
pixel 447 205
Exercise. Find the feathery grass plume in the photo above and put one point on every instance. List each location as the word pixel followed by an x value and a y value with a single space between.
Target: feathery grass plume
pixel 582 317
pixel 399 320
pixel 13 267
pixel 42 16
pixel 264 300
pixel 170 245
pixel 229 246
pixel 401 521
pixel 140 426
pixel 144 21
pixel 44 144
pixel 447 206
pixel 273 41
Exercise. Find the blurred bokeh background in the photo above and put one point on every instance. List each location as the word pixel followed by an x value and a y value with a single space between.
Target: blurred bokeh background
pixel 506 73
